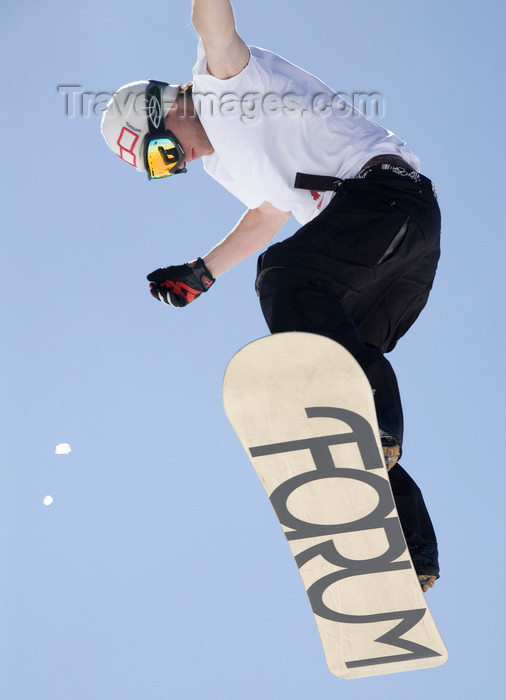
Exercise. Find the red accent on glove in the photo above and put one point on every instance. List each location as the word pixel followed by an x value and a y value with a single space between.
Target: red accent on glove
pixel 182 290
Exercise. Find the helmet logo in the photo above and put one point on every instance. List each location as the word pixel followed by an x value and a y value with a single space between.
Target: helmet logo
pixel 154 111
pixel 126 142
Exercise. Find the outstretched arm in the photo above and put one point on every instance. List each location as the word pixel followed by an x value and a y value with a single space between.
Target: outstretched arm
pixel 226 52
pixel 178 285
pixel 254 230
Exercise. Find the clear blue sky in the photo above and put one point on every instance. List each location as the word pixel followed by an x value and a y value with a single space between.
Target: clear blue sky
pixel 159 571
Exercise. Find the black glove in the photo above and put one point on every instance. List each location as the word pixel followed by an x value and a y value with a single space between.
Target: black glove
pixel 177 285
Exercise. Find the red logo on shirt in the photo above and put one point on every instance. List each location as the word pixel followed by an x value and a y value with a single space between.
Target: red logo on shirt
pixel 317 196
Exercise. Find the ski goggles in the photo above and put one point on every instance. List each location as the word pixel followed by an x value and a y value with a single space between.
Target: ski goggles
pixel 163 152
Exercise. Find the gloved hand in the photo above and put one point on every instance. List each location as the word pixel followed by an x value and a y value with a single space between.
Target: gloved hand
pixel 177 285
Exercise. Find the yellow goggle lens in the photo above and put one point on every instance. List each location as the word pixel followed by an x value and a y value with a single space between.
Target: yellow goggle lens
pixel 163 157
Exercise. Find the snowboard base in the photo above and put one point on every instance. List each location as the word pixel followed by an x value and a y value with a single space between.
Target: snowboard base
pixel 304 412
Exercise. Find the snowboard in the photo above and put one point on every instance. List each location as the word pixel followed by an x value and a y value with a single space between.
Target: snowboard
pixel 304 412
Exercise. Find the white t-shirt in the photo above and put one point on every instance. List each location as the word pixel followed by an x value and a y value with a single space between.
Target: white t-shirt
pixel 273 120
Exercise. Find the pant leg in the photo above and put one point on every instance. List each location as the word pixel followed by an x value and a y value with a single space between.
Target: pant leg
pixel 415 520
pixel 295 300
pixel 291 301
pixel 340 277
pixel 359 273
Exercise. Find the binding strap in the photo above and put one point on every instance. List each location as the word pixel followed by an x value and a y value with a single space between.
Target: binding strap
pixel 320 183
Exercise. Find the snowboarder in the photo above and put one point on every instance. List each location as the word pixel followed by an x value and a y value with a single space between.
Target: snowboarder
pixel 360 268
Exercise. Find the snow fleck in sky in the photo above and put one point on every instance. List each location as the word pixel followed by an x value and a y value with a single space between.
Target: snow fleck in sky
pixel 63 449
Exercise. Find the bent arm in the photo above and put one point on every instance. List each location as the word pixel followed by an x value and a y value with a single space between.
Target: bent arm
pixel 226 52
pixel 254 230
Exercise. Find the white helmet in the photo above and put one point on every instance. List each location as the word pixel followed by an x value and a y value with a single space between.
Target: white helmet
pixel 125 119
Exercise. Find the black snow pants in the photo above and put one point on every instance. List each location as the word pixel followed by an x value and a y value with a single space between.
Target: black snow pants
pixel 360 273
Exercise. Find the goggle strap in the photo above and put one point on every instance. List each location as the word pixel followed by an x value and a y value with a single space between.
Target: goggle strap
pixel 154 106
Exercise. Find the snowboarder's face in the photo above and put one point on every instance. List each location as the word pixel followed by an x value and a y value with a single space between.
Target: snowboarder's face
pixel 186 126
